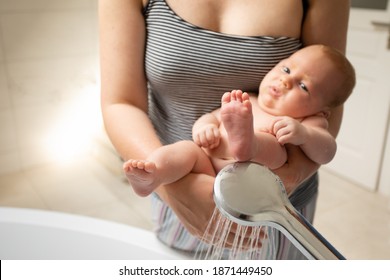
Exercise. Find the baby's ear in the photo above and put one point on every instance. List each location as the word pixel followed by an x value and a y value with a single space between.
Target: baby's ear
pixel 325 113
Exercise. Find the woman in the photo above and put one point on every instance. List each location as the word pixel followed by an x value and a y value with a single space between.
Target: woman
pixel 166 62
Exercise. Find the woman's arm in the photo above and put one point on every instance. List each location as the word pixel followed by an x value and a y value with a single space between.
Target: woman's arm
pixel 123 82
pixel 124 107
pixel 326 22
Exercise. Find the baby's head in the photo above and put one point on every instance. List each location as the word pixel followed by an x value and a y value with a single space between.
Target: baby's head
pixel 343 79
pixel 313 80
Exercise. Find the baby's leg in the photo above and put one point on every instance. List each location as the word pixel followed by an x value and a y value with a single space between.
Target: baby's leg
pixel 167 165
pixel 237 117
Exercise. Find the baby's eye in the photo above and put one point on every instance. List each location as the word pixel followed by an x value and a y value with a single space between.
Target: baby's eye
pixel 304 87
pixel 286 69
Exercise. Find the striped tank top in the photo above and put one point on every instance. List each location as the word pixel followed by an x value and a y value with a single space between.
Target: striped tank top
pixel 188 69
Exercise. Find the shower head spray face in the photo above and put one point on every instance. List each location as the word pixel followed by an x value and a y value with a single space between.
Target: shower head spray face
pixel 250 194
pixel 245 192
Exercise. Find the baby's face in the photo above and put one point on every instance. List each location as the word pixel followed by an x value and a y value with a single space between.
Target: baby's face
pixel 298 86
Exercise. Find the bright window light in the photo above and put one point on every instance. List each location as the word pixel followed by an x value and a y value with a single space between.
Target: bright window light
pixel 73 133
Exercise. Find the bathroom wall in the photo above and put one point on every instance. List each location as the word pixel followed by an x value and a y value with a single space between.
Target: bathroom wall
pixel 48 80
pixel 370 4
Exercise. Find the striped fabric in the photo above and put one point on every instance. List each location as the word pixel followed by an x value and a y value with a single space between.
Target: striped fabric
pixel 188 70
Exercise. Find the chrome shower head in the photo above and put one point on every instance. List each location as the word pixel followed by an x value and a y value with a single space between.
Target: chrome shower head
pixel 250 194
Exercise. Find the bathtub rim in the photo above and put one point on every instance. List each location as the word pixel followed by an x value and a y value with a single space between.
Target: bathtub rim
pixel 95 227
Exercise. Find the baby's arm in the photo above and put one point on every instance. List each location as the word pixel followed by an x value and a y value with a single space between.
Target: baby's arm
pixel 311 135
pixel 205 131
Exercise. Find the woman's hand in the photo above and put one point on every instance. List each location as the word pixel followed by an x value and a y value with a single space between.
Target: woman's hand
pixel 296 170
pixel 191 198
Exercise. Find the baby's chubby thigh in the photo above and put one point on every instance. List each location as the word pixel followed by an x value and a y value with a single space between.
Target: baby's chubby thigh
pixel 185 156
pixel 221 155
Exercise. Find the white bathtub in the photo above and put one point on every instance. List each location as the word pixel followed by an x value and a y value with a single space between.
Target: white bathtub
pixel 36 234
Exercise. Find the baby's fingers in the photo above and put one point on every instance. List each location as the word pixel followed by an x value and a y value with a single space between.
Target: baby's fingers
pixel 214 138
pixel 278 124
pixel 208 138
pixel 203 140
pixel 282 134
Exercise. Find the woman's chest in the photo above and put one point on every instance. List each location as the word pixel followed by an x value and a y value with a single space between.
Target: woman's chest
pixel 274 18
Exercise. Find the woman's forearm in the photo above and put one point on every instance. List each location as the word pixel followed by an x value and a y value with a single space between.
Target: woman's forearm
pixel 191 198
pixel 130 131
pixel 326 25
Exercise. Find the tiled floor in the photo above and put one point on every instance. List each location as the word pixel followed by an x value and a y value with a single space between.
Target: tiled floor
pixel 82 187
pixel 48 95
pixel 355 221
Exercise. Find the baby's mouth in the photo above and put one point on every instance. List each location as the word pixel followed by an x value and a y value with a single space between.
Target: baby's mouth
pixel 275 91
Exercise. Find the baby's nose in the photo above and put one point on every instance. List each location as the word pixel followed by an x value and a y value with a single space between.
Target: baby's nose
pixel 286 82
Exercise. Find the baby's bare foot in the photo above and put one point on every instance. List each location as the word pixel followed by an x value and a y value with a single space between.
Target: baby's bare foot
pixel 142 176
pixel 237 117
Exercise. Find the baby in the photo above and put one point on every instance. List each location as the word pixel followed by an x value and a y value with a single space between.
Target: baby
pixel 294 101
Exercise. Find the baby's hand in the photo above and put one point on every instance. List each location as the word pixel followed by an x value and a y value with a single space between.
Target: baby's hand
pixel 207 137
pixel 289 131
